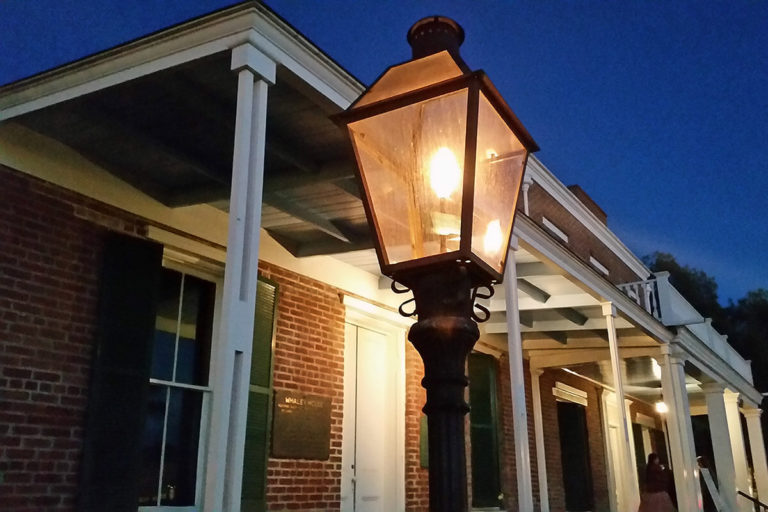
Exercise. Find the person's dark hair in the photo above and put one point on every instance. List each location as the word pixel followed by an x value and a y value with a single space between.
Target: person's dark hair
pixel 653 458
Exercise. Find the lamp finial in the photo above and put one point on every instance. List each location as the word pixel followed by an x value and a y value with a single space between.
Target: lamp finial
pixel 434 34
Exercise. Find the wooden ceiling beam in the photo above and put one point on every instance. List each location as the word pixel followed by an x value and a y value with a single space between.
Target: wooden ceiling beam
pixel 532 291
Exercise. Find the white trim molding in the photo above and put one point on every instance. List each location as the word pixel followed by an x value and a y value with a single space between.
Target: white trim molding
pixel 570 394
pixel 217 32
pixel 559 233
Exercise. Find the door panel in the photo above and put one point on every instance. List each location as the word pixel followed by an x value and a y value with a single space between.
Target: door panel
pixel 374 467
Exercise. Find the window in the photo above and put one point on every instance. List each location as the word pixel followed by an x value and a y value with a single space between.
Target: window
pixel 599 266
pixel 173 437
pixel 484 430
pixel 559 233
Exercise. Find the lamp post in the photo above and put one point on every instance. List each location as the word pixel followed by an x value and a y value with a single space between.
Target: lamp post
pixel 440 160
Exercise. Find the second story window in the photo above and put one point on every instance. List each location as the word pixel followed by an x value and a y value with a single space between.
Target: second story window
pixel 556 231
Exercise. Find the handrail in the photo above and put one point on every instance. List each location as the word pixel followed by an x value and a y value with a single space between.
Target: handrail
pixel 761 506
pixel 645 294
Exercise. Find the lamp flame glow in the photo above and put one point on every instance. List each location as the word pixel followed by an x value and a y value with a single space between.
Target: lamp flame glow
pixel 661 408
pixel 444 173
pixel 494 238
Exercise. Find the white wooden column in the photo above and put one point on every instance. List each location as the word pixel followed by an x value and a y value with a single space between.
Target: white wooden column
pixel 517 385
pixel 232 357
pixel 721 443
pixel 757 447
pixel 680 432
pixel 538 431
pixel 739 450
pixel 627 461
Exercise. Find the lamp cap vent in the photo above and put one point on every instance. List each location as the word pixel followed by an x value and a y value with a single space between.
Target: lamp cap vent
pixel 434 34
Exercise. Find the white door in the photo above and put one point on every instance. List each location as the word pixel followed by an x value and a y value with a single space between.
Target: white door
pixel 621 474
pixel 371 453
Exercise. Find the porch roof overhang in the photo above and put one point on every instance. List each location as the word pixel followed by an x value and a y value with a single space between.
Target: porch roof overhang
pixel 159 113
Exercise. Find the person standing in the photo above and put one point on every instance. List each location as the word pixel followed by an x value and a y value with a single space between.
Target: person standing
pixel 655 497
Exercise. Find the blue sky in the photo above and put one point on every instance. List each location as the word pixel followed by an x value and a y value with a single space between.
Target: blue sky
pixel 658 109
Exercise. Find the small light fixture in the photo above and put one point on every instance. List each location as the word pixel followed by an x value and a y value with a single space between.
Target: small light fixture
pixel 661 407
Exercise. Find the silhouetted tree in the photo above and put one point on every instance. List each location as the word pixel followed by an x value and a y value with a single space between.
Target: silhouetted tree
pixel 748 332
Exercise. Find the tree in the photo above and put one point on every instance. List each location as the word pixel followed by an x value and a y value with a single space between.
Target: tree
pixel 695 285
pixel 748 332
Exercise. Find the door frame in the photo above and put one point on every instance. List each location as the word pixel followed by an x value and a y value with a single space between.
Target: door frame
pixel 394 327
pixel 614 461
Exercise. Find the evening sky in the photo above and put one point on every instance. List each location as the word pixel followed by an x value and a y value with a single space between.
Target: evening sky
pixel 658 109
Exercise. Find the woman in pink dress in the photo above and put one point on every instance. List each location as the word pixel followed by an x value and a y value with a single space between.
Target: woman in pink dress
pixel 655 497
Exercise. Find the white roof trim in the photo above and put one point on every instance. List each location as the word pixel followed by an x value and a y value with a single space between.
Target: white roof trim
pixel 188 41
pixel 707 360
pixel 554 187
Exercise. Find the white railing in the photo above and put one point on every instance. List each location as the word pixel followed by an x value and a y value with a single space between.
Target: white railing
pixel 645 294
pixel 659 298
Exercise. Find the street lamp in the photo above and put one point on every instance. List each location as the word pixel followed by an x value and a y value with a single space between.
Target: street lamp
pixel 440 159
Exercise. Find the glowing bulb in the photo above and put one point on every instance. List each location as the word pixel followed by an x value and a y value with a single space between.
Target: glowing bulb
pixel 493 237
pixel 444 173
pixel 661 408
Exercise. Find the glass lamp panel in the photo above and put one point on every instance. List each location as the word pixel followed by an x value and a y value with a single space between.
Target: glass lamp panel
pixel 411 76
pixel 411 159
pixel 498 173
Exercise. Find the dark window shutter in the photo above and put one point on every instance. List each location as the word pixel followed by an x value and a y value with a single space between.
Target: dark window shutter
pixel 484 435
pixel 120 374
pixel 259 401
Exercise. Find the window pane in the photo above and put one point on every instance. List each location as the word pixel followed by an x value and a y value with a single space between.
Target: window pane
pixel 412 160
pixel 165 325
pixel 195 331
pixel 498 171
pixel 152 441
pixel 181 447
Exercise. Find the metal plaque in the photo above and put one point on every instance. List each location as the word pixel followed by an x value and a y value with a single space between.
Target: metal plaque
pixel 301 426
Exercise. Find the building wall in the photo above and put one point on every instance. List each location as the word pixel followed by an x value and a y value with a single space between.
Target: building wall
pixel 509 461
pixel 416 477
pixel 50 254
pixel 308 357
pixel 552 439
pixel 51 242
pixel 582 242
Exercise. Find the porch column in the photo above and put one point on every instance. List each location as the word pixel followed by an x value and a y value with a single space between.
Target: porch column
pixel 737 444
pixel 609 312
pixel 538 430
pixel 517 381
pixel 232 359
pixel 680 432
pixel 721 443
pixel 757 447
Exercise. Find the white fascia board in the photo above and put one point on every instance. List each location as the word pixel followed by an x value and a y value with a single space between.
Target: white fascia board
pixel 707 360
pixel 554 187
pixel 292 50
pixel 538 241
pixel 189 41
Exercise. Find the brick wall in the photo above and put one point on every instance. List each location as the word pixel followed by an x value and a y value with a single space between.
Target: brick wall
pixel 50 255
pixel 582 242
pixel 416 477
pixel 552 439
pixel 509 462
pixel 308 357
